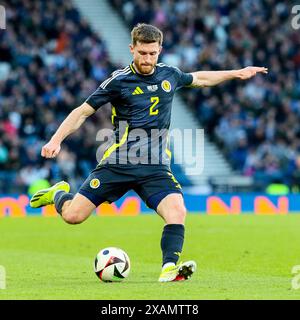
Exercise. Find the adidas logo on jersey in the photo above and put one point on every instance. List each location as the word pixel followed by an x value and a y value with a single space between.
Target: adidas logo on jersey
pixel 137 90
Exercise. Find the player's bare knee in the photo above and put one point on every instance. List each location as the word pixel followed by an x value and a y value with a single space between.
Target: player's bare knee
pixel 72 216
pixel 178 209
pixel 180 213
pixel 73 219
pixel 175 214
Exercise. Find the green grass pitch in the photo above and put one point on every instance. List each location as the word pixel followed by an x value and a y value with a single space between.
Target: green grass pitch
pixel 238 257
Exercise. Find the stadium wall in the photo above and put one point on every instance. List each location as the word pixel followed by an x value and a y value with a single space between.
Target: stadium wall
pixel 132 205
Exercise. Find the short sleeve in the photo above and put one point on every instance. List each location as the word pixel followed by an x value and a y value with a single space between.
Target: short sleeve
pixel 183 79
pixel 105 93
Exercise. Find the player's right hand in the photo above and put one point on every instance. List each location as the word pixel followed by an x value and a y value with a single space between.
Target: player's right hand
pixel 51 149
pixel 249 72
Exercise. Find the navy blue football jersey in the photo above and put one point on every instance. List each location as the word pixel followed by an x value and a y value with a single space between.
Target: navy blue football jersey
pixel 141 113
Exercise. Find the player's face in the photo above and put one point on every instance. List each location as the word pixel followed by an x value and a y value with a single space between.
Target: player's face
pixel 145 56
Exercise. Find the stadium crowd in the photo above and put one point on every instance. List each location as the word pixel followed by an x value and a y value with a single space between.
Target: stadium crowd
pixel 50 61
pixel 256 123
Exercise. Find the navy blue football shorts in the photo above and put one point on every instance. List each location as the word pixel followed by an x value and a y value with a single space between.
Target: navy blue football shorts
pixel 108 183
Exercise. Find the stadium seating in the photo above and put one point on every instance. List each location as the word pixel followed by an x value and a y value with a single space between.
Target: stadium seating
pixel 50 61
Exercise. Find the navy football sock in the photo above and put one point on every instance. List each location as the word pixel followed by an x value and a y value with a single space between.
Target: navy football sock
pixel 60 198
pixel 172 242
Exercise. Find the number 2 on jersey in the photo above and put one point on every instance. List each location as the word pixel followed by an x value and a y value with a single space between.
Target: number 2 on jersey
pixel 155 101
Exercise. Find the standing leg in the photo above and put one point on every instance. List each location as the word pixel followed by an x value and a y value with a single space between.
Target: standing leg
pixel 173 211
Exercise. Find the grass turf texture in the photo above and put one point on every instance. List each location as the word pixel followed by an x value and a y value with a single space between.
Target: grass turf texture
pixel 239 257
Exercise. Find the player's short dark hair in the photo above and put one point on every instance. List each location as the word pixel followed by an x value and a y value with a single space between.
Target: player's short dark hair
pixel 146 33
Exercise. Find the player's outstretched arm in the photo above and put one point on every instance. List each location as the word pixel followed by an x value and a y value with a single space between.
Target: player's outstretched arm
pixel 212 78
pixel 72 122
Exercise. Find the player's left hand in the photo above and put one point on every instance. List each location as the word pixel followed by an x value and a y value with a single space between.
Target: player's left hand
pixel 249 72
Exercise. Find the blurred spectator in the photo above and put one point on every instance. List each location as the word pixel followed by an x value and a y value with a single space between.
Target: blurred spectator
pixel 55 61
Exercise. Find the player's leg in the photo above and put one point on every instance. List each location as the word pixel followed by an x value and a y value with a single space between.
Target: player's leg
pixel 162 192
pixel 172 209
pixel 103 184
pixel 73 209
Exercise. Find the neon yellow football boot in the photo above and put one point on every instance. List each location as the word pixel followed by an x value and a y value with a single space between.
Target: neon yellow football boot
pixel 179 272
pixel 46 196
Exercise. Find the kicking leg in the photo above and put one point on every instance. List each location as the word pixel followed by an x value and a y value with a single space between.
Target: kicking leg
pixel 72 209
